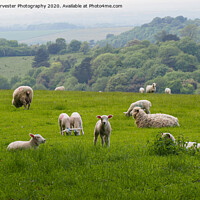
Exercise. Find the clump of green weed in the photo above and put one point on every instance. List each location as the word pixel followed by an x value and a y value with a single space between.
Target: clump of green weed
pixel 165 146
pixel 162 146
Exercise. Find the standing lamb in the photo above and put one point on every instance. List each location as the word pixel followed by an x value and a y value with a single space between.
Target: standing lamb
pixel 64 124
pixel 144 104
pixel 141 90
pixel 76 123
pixel 104 129
pixel 61 88
pixel 167 90
pixel 153 120
pixel 34 142
pixel 188 144
pixel 23 95
pixel 151 88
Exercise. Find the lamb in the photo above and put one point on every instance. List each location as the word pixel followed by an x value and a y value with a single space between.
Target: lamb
pixel 103 128
pixel 144 104
pixel 64 124
pixel 141 90
pixel 158 120
pixel 23 95
pixel 34 142
pixel 76 123
pixel 167 90
pixel 188 144
pixel 60 88
pixel 151 88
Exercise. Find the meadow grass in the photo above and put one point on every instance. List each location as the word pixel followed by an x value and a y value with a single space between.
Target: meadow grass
pixel 15 66
pixel 70 167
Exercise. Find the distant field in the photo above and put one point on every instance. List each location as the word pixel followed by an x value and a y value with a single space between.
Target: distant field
pixel 70 167
pixel 35 37
pixel 15 66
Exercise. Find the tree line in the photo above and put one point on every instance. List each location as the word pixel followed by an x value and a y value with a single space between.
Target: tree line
pixel 173 63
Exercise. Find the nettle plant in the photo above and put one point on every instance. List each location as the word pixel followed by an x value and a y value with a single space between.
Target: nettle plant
pixel 165 146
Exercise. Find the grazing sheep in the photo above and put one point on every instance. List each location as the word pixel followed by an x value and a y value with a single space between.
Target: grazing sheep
pixel 103 128
pixel 188 144
pixel 23 95
pixel 167 90
pixel 64 124
pixel 76 123
pixel 141 90
pixel 61 88
pixel 151 88
pixel 153 120
pixel 144 104
pixel 34 142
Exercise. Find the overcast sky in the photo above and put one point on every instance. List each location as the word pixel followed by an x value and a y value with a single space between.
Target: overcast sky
pixel 133 12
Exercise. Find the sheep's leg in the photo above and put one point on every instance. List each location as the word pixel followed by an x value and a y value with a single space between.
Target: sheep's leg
pixel 102 140
pixel 107 141
pixel 147 111
pixel 95 137
pixel 82 131
pixel 61 129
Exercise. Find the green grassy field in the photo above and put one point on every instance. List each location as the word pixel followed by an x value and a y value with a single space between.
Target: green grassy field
pixel 70 167
pixel 15 66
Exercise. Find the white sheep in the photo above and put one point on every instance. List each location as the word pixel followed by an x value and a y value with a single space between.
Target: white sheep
pixel 167 90
pixel 64 124
pixel 141 90
pixel 151 88
pixel 144 104
pixel 103 128
pixel 153 120
pixel 188 144
pixel 23 95
pixel 76 123
pixel 34 142
pixel 60 88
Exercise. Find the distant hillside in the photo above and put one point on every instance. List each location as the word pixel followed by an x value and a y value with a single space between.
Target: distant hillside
pixel 46 26
pixel 148 31
pixel 43 36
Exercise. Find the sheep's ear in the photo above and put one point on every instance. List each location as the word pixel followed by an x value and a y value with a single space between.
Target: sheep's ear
pixel 31 135
pixel 110 116
pixel 98 116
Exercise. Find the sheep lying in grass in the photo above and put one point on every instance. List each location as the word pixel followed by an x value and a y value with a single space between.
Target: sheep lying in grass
pixel 144 104
pixel 141 90
pixel 151 88
pixel 34 142
pixel 188 144
pixel 103 128
pixel 23 95
pixel 61 88
pixel 167 90
pixel 64 124
pixel 153 120
pixel 76 123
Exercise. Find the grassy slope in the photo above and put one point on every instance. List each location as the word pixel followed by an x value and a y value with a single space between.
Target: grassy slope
pixel 72 168
pixel 15 66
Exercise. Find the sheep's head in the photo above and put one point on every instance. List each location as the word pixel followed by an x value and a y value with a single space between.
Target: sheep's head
pixel 104 119
pixel 154 85
pixel 168 135
pixel 38 139
pixel 135 111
